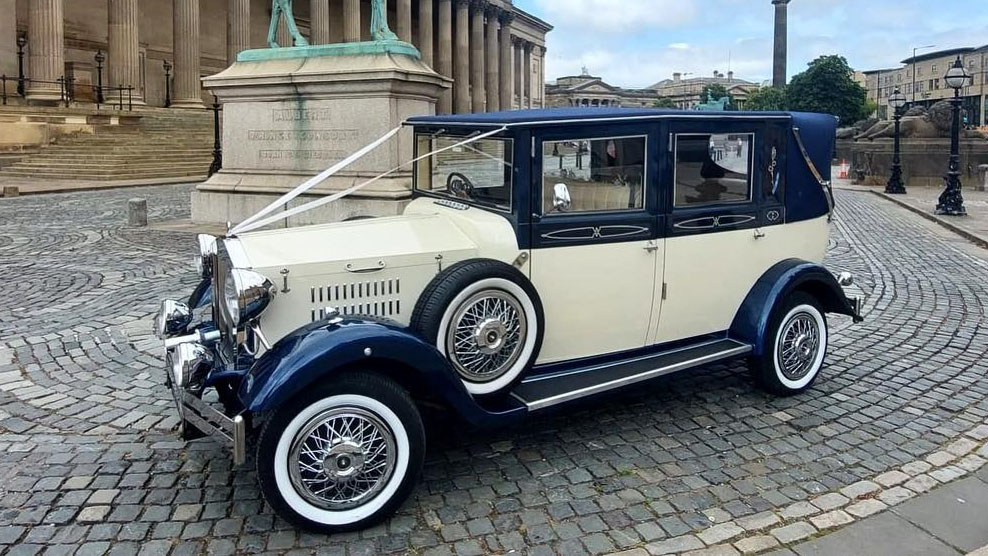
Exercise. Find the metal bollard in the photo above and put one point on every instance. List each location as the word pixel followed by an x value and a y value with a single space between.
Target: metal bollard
pixel 137 213
pixel 983 172
pixel 11 191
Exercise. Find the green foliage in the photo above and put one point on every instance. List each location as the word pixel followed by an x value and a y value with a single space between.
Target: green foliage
pixel 767 99
pixel 828 87
pixel 664 102
pixel 716 91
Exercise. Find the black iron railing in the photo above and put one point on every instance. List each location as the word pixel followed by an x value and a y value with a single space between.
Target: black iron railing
pixel 217 163
pixel 118 97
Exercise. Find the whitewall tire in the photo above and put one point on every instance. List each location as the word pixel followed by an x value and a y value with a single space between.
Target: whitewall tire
pixel 795 348
pixel 343 455
pixel 486 319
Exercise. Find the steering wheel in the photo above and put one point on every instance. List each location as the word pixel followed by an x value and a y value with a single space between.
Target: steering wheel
pixel 459 186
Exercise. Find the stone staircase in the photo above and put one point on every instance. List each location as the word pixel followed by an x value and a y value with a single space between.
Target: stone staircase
pixel 162 144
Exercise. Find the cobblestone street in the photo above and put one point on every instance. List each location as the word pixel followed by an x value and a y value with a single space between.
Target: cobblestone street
pixel 89 464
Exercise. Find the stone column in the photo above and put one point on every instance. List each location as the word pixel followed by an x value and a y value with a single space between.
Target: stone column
pixel 403 25
pixel 8 43
pixel 506 77
pixel 319 19
pixel 351 20
pixel 237 28
pixel 185 43
pixel 491 60
pixel 46 47
pixel 461 69
pixel 519 64
pixel 781 43
pixel 426 37
pixel 124 57
pixel 477 56
pixel 528 75
pixel 444 64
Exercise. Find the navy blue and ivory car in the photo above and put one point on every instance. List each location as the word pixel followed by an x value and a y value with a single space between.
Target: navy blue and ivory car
pixel 545 257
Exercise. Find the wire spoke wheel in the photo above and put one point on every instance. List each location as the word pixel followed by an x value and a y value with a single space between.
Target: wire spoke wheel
pixel 342 458
pixel 799 346
pixel 486 335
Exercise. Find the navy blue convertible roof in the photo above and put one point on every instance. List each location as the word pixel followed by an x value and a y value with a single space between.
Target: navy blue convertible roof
pixel 515 118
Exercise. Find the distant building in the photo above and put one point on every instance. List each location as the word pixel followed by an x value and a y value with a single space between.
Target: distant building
pixel 927 86
pixel 587 90
pixel 686 93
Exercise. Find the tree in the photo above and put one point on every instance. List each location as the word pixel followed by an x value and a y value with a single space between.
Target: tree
pixel 767 99
pixel 716 91
pixel 828 86
pixel 664 102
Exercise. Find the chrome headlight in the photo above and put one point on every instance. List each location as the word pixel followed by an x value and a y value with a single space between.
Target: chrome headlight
pixel 246 294
pixel 206 259
pixel 172 319
pixel 185 361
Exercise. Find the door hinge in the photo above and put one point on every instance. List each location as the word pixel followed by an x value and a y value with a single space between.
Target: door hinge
pixel 665 291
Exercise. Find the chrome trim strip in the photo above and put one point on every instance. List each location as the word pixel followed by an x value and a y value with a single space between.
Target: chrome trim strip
pixel 654 373
pixel 595 232
pixel 238 255
pixel 620 362
pixel 714 115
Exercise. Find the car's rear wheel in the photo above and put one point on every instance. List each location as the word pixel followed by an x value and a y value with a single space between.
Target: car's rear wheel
pixel 486 318
pixel 796 346
pixel 343 455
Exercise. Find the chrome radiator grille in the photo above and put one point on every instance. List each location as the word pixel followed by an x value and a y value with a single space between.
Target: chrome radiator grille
pixel 379 298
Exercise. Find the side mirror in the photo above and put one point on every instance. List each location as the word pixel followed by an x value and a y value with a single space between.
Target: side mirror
pixel 561 200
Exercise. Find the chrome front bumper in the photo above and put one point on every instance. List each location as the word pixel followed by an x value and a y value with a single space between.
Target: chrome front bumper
pixel 183 355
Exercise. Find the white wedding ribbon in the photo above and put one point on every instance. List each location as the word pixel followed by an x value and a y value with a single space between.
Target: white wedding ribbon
pixel 253 223
pixel 314 181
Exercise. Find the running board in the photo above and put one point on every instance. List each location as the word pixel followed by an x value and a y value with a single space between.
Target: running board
pixel 546 391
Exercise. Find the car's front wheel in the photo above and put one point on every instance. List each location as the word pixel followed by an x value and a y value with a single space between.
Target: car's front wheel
pixel 343 455
pixel 795 348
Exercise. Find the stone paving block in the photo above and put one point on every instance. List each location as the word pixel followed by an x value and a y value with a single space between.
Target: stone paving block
pixel 831 520
pixel 759 521
pixel 830 501
pixel 793 532
pixel 720 533
pixel 896 495
pixel 722 550
pixel 757 544
pixel 891 478
pixel 859 489
pixel 866 508
pixel 675 545
pixel 798 510
pixel 921 483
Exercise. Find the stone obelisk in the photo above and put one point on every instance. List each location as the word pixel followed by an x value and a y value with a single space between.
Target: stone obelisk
pixel 781 43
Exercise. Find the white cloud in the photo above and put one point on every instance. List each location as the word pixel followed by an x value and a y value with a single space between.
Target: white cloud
pixel 618 16
pixel 679 46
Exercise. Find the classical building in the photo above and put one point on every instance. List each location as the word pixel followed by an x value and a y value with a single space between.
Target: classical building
pixel 687 93
pixel 587 90
pixel 494 51
pixel 921 80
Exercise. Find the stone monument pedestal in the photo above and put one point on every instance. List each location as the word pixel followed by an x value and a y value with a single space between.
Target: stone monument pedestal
pixel 291 113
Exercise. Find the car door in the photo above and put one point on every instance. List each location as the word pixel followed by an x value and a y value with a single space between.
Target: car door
pixel 595 238
pixel 725 204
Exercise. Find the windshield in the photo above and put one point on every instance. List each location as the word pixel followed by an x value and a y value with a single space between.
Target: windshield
pixel 479 173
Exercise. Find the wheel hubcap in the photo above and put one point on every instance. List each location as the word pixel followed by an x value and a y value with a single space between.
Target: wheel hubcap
pixel 799 346
pixel 342 458
pixel 486 336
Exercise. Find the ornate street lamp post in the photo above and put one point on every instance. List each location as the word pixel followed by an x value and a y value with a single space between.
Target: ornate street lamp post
pixel 951 200
pixel 168 82
pixel 100 58
pixel 897 101
pixel 21 43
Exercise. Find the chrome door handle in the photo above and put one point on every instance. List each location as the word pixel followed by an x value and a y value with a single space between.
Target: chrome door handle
pixel 651 247
pixel 759 234
pixel 375 268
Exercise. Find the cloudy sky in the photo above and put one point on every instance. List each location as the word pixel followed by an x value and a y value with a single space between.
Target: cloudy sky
pixel 634 43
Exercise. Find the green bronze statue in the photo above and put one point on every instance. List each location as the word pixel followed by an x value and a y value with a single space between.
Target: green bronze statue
pixel 281 8
pixel 379 22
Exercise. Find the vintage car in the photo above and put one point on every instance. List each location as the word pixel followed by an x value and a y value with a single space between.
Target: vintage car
pixel 545 257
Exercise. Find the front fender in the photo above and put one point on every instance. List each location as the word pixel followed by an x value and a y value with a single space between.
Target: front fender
pixel 318 351
pixel 751 321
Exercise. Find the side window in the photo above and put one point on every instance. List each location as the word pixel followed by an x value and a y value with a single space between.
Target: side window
pixel 593 175
pixel 713 169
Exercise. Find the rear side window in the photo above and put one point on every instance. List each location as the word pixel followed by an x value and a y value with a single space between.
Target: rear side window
pixel 713 169
pixel 598 175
